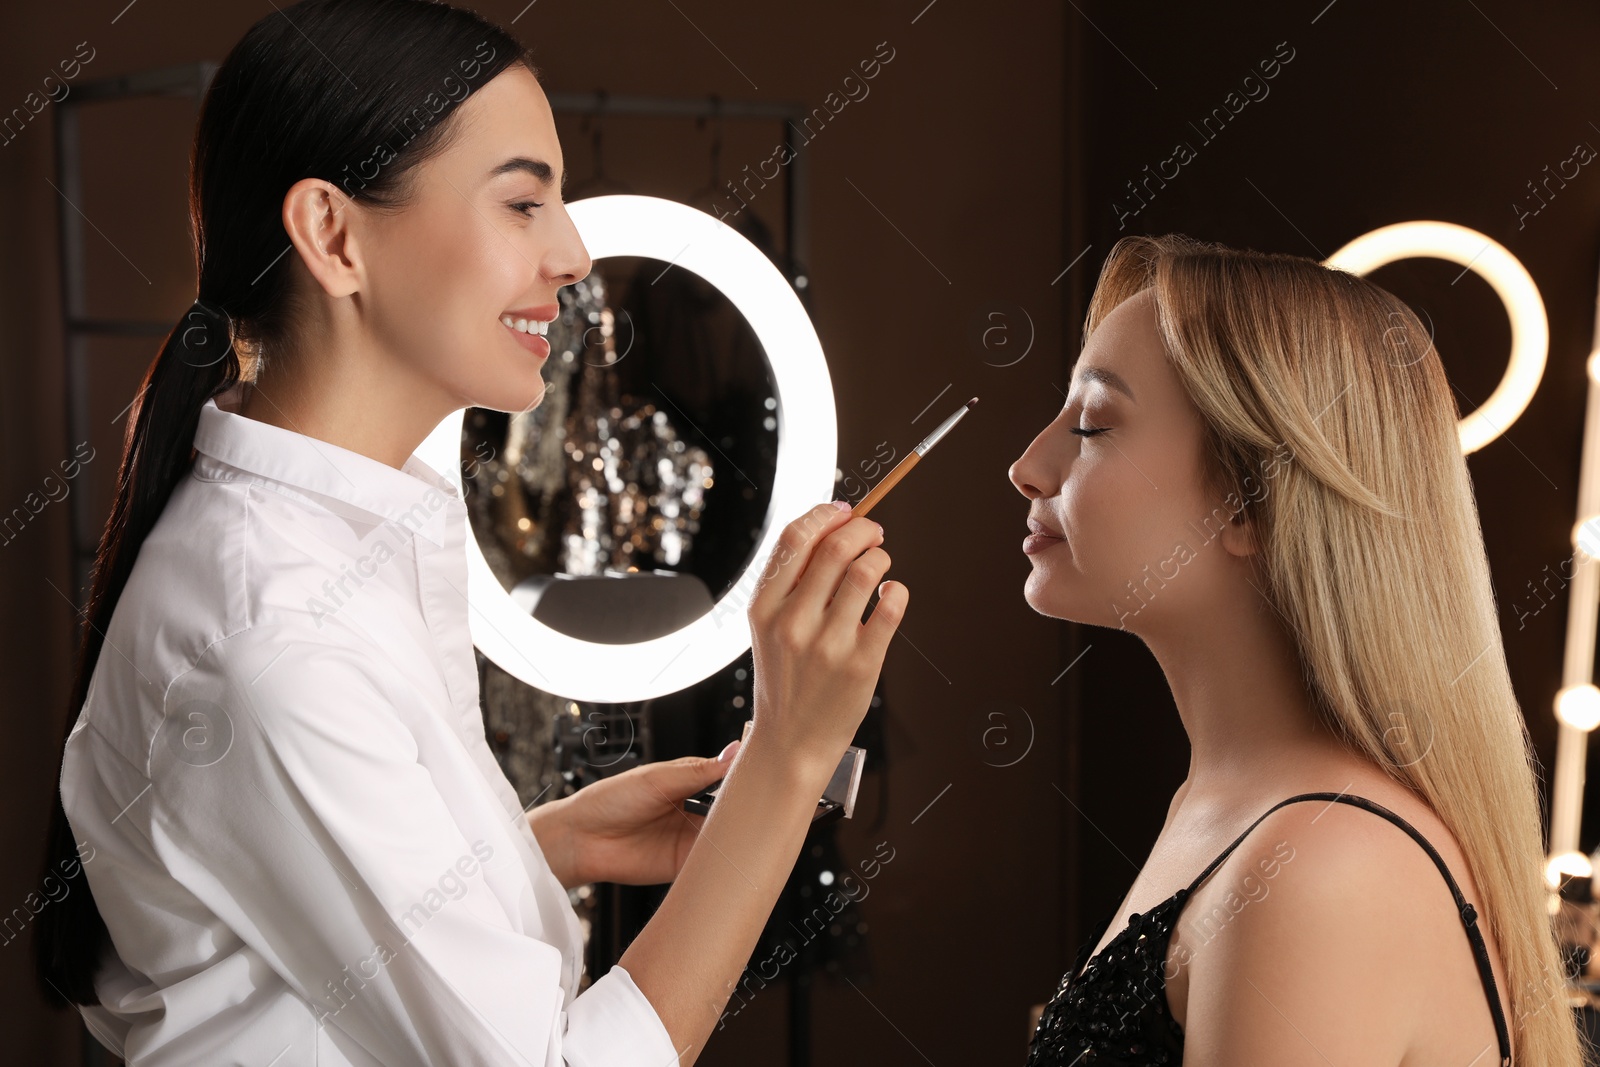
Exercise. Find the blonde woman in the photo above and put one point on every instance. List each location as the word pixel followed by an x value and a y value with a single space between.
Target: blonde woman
pixel 1257 471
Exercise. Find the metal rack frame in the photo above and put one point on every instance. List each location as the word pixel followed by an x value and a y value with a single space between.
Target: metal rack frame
pixel 78 326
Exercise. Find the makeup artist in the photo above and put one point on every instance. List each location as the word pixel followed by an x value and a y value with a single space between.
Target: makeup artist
pixel 299 846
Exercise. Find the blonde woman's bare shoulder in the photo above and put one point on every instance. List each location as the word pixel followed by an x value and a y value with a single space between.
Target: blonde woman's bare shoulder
pixel 1334 913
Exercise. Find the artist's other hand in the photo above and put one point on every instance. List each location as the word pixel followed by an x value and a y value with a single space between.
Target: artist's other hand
pixel 630 828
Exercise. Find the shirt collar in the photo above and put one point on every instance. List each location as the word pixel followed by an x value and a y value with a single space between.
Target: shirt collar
pixel 347 482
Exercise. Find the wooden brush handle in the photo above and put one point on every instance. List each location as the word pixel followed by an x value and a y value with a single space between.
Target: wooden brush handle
pixel 881 490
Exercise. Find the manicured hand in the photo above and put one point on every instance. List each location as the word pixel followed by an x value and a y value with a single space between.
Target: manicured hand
pixel 630 828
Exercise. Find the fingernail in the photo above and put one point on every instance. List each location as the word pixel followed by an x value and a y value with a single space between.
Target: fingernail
pixel 842 505
pixel 728 752
pixel 879 525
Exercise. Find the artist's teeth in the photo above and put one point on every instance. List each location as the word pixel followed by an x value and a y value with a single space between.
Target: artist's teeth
pixel 532 326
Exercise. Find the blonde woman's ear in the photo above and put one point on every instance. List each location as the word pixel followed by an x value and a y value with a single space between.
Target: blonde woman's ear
pixel 1238 536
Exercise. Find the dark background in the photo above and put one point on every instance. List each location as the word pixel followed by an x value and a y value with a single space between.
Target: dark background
pixel 991 153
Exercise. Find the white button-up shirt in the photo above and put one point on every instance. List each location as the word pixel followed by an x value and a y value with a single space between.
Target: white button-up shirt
pixel 288 813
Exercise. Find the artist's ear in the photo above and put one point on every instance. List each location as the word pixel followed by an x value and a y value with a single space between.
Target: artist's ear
pixel 323 225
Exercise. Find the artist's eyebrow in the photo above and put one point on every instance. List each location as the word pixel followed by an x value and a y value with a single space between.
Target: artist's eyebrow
pixel 536 167
pixel 1105 377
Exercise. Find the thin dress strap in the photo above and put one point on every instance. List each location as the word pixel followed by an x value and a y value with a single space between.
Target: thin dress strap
pixel 1469 914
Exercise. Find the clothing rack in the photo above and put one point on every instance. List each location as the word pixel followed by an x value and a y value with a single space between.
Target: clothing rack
pixel 190 82
pixel 78 326
pixel 796 214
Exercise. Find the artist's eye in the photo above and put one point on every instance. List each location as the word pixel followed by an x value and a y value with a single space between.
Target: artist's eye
pixel 524 205
pixel 1089 431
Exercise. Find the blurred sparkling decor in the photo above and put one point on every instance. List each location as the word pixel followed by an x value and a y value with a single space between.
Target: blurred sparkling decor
pixel 590 480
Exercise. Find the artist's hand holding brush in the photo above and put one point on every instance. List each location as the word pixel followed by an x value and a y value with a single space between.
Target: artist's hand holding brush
pixel 816 662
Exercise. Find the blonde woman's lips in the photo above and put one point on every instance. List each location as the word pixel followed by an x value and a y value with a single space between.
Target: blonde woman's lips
pixel 1035 543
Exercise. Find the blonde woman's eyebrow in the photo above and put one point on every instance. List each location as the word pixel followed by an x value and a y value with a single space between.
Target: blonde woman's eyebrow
pixel 1109 378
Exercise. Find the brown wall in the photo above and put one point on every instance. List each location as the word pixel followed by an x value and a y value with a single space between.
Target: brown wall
pixel 992 150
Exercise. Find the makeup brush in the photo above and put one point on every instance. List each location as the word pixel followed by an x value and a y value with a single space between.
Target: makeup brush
pixel 902 468
pixel 839 799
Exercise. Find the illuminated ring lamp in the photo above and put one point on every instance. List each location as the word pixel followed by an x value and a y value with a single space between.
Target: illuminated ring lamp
pixel 807 456
pixel 1530 330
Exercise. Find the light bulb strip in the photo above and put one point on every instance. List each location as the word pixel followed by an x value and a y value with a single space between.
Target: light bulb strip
pixel 1583 610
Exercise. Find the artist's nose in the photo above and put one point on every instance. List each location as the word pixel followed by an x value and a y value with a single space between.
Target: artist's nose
pixel 567 260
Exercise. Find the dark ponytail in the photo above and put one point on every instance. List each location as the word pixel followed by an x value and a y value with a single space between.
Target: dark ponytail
pixel 357 93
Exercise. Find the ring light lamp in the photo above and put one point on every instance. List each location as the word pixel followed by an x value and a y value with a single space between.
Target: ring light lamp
pixel 807 455
pixel 1530 330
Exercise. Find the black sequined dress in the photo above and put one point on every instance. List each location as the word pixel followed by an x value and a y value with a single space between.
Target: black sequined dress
pixel 1115 1013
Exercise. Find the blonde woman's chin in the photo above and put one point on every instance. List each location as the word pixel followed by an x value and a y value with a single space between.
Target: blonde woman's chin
pixel 1047 596
pixel 1051 595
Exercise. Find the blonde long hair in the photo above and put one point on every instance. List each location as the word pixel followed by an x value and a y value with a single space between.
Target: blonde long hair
pixel 1371 552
